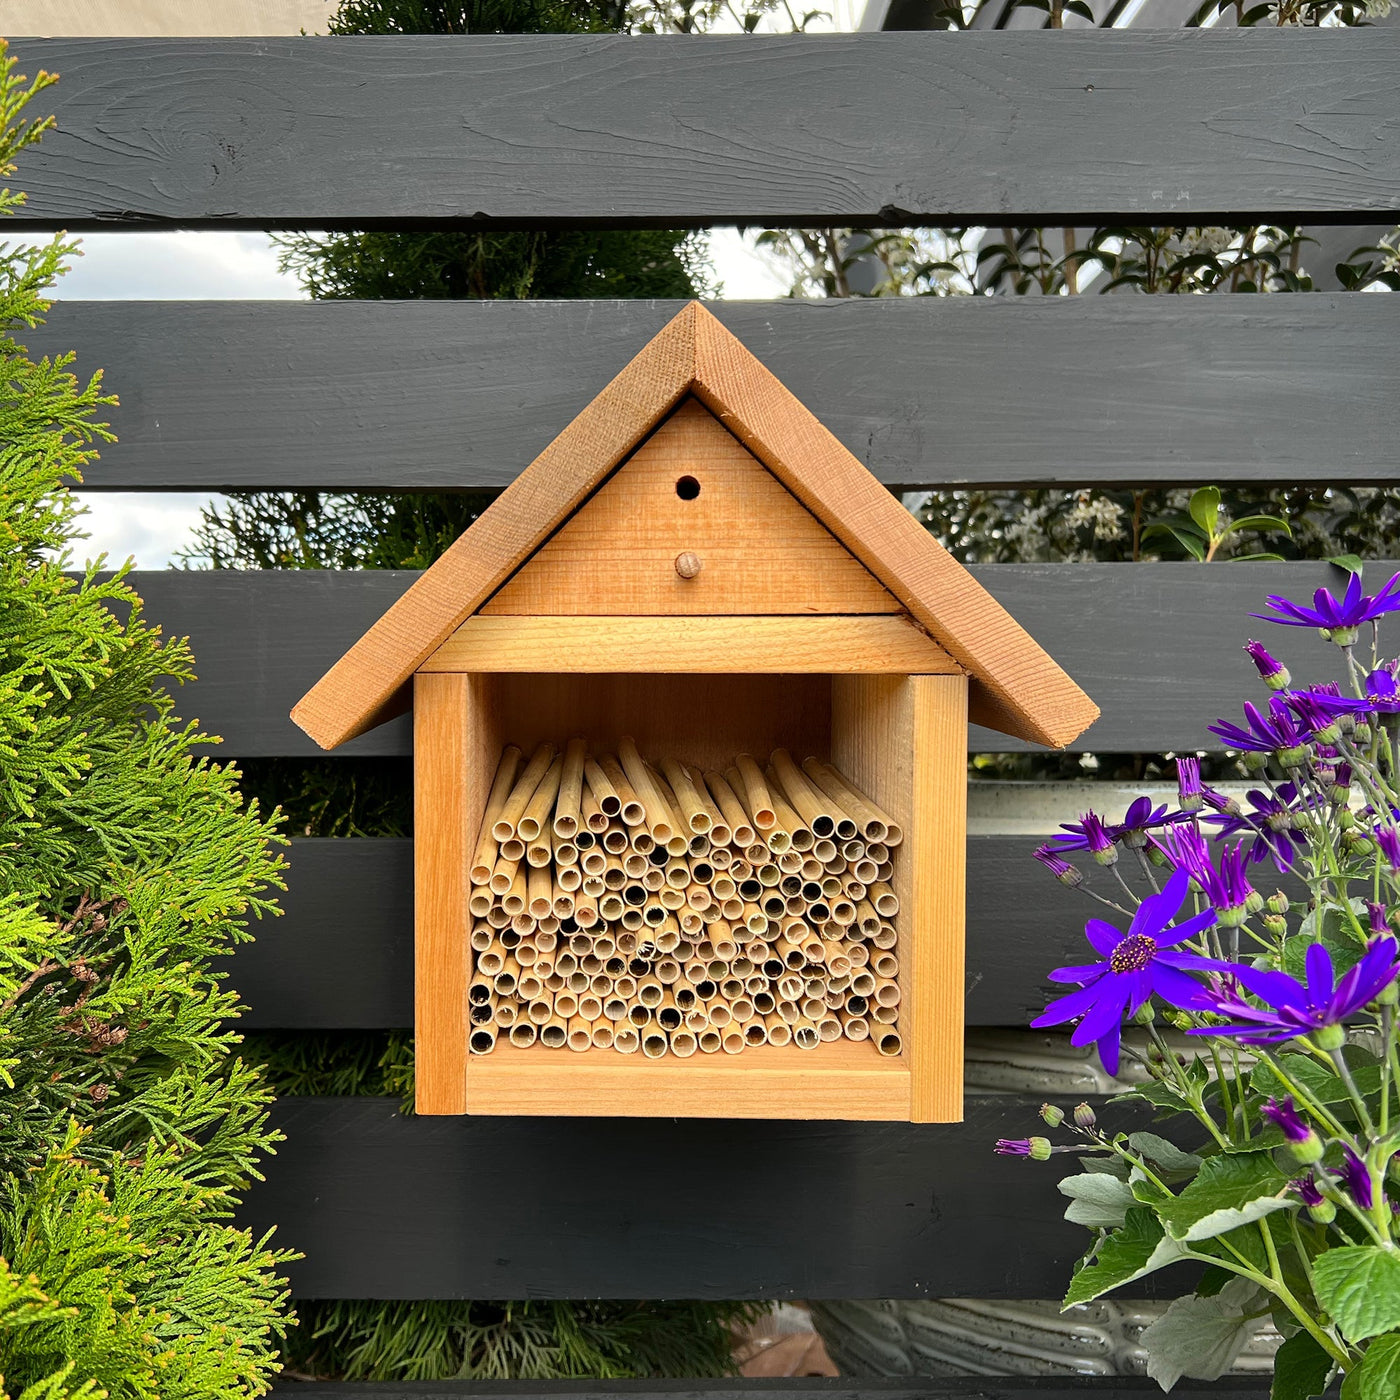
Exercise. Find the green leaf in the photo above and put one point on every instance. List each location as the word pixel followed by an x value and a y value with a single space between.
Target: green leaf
pixel 1301 1369
pixel 1352 563
pixel 1097 1201
pixel 1315 1079
pixel 1268 524
pixel 1379 1372
pixel 1205 508
pixel 1139 1247
pixel 1189 540
pixel 1359 1285
pixel 1230 1191
pixel 1167 1157
pixel 1200 1337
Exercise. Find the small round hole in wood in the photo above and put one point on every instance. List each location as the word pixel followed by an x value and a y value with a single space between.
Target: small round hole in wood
pixel 687 488
pixel 688 565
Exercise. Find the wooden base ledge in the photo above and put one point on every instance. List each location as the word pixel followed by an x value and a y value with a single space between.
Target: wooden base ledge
pixel 873 643
pixel 840 1080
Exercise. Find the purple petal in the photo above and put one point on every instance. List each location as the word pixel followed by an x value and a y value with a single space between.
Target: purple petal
pixel 1104 937
pixel 1106 1014
pixel 1277 988
pixel 1157 910
pixel 1318 962
pixel 1176 987
pixel 1083 974
pixel 1066 1008
pixel 1197 923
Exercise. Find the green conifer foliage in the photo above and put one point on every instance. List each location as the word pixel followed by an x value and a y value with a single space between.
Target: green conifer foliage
pixel 128 866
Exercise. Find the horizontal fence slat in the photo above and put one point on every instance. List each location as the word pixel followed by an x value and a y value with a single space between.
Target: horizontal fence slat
pixel 981 128
pixel 807 1388
pixel 1157 646
pixel 341 957
pixel 924 391
pixel 386 1206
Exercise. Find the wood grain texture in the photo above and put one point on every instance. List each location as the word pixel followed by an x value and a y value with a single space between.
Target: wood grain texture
pixel 839 1080
pixel 842 1388
pixel 877 642
pixel 448 797
pixel 1158 645
pixel 342 954
pixel 366 685
pixel 900 740
pixel 761 551
pixel 454 395
pixel 994 128
pixel 386 1206
pixel 1016 687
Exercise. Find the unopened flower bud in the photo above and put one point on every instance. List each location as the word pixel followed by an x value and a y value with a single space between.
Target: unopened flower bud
pixel 1346 819
pixel 1059 867
pixel 1275 924
pixel 1253 902
pixel 1362 733
pixel 1278 902
pixel 1084 1116
pixel 1254 762
pixel 1303 1142
pixel 1144 1015
pixel 1324 1213
pixel 1272 671
pixel 1052 1115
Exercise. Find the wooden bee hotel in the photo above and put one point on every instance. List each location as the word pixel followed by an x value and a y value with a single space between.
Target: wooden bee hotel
pixel 690 729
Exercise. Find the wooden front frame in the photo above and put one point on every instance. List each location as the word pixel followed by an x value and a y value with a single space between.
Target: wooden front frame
pixel 901 737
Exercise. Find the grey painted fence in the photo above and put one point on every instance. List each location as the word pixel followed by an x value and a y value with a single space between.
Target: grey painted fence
pixel 537 130
pixel 1057 128
pixel 1158 646
pixel 928 391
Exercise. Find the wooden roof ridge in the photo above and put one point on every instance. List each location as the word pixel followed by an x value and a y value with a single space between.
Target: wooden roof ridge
pixel 1015 686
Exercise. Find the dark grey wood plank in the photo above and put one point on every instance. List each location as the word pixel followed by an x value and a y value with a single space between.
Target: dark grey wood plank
pixel 928 391
pixel 981 128
pixel 1158 646
pixel 341 957
pixel 809 1388
pixel 387 1206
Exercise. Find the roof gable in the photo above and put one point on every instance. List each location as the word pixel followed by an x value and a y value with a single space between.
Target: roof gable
pixel 1015 686
pixel 761 550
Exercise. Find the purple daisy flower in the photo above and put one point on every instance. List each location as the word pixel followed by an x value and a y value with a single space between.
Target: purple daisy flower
pixel 1058 866
pixel 1286 1116
pixel 1305 1188
pixel 1278 733
pixel 1188 784
pixel 1340 618
pixel 1037 1148
pixel 1270 829
pixel 1134 966
pixel 1141 818
pixel 1356 1177
pixel 1271 670
pixel 1293 1009
pixel 1225 885
pixel 1090 833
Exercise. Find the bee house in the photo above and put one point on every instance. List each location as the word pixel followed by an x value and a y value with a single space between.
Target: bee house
pixel 690 709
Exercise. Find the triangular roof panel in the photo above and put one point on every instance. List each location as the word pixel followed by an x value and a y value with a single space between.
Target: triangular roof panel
pixel 1015 686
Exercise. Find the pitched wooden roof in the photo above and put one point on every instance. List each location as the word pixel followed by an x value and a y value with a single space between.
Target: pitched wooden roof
pixel 1015 686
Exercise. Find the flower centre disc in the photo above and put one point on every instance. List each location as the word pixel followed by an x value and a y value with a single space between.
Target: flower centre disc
pixel 1133 953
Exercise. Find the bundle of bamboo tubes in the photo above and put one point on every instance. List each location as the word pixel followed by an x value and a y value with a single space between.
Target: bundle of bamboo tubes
pixel 669 910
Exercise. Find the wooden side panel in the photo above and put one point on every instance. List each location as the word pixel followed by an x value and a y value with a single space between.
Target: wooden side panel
pixel 455 754
pixel 901 740
pixel 876 642
pixel 761 551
